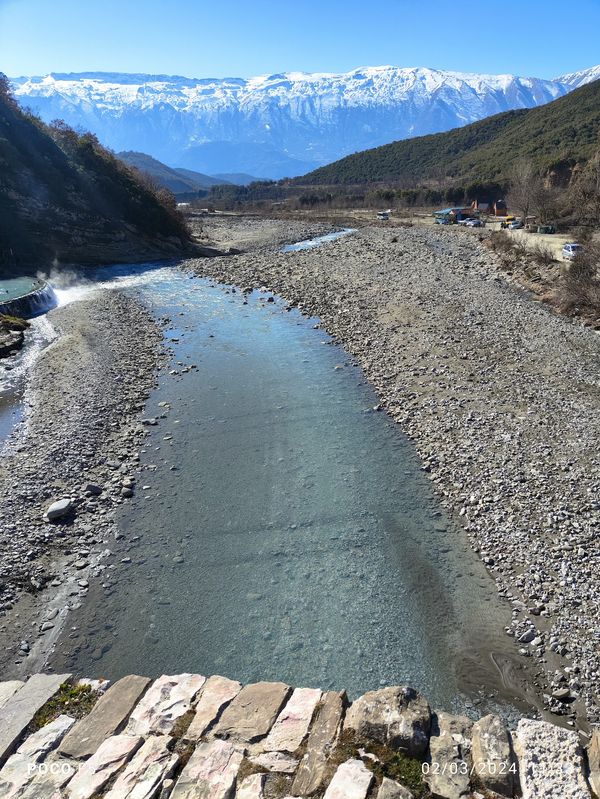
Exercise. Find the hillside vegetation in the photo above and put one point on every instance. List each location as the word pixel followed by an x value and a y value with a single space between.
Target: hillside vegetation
pixel 66 199
pixel 553 136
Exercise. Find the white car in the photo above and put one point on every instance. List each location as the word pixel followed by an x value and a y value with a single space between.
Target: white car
pixel 474 223
pixel 466 220
pixel 569 251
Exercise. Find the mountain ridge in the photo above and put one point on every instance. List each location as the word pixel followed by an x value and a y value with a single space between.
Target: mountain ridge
pixel 555 136
pixel 282 124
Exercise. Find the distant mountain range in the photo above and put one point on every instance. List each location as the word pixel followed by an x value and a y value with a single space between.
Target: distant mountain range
pixel 278 125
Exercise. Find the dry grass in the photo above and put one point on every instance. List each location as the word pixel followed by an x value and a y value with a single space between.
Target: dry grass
pixel 542 254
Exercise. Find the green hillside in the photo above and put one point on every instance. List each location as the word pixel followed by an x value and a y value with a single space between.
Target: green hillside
pixel 65 199
pixel 564 131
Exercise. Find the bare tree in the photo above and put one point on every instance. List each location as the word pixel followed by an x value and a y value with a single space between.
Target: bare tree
pixel 524 186
pixel 584 192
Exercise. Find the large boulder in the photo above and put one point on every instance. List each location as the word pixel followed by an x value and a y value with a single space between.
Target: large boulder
pixel 493 760
pixel 398 717
pixel 550 761
pixel 449 773
pixel 58 509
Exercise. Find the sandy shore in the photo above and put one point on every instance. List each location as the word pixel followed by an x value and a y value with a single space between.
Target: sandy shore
pixel 84 400
pixel 501 398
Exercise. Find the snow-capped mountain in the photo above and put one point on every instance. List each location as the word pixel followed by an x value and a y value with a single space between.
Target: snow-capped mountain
pixel 275 125
pixel 575 79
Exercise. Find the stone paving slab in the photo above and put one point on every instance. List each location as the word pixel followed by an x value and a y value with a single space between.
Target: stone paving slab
pixel 107 717
pixel 144 774
pixel 7 689
pixel 210 773
pixel 94 774
pixel 594 760
pixel 252 713
pixel 321 740
pixel 276 761
pixel 167 699
pixel 252 787
pixel 216 694
pixel 292 725
pixel 352 780
pixel 17 771
pixel 20 709
pixel 214 760
pixel 50 784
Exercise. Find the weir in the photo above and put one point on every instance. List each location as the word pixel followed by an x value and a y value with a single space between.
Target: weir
pixel 26 297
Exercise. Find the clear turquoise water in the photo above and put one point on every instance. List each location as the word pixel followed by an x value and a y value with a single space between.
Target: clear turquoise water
pixel 282 529
pixel 17 287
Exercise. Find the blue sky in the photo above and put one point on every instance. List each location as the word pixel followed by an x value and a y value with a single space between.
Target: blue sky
pixel 250 37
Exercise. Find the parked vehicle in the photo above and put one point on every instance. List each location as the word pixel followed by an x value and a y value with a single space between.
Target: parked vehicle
pixel 569 251
pixel 465 220
pixel 474 223
pixel 516 225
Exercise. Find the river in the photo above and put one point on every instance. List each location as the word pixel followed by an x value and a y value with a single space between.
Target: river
pixel 282 527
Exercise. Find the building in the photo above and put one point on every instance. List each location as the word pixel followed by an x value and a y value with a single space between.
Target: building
pixel 451 215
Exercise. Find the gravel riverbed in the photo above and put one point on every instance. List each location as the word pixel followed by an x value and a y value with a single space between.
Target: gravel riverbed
pixel 502 400
pixel 84 401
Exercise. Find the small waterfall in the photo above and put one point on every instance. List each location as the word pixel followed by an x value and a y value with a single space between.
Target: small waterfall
pixel 33 304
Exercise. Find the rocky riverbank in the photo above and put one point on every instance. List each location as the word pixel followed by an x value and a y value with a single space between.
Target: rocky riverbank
pixel 501 399
pixel 12 335
pixel 190 737
pixel 84 402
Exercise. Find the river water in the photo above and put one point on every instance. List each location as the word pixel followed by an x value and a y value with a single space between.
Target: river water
pixel 282 528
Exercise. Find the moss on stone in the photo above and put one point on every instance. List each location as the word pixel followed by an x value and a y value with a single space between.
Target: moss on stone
pixel 387 762
pixel 8 322
pixel 71 700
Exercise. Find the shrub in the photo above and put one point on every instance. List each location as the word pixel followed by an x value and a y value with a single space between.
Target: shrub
pixel 542 254
pixel 579 289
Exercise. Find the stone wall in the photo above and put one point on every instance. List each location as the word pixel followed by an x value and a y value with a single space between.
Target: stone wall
pixel 191 737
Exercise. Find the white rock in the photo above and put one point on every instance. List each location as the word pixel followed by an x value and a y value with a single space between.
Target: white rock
pixel 18 770
pixel 7 689
pixel 352 780
pixel 550 761
pixel 252 787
